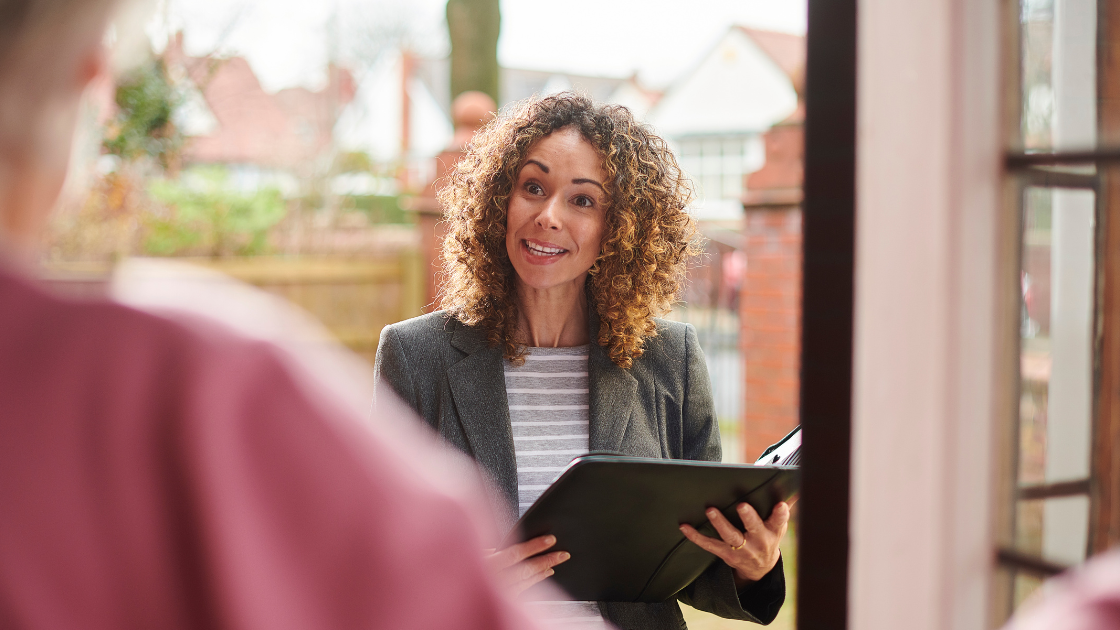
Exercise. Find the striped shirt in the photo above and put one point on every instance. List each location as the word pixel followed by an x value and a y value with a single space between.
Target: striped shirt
pixel 549 403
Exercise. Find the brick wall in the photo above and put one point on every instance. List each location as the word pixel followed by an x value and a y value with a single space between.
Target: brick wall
pixel 770 298
pixel 770 316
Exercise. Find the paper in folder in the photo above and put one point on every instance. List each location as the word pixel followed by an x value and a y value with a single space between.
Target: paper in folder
pixel 619 517
pixel 784 452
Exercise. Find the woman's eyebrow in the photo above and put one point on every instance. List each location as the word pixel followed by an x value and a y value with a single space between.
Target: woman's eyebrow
pixel 581 180
pixel 578 180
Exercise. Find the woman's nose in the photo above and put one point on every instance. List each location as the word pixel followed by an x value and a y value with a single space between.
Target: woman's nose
pixel 549 216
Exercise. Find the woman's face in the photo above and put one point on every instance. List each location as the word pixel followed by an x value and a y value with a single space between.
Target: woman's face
pixel 556 217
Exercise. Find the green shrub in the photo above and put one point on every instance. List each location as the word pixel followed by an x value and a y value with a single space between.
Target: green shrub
pixel 209 216
pixel 142 127
pixel 379 208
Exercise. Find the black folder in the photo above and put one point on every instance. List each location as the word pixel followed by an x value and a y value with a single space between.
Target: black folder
pixel 619 517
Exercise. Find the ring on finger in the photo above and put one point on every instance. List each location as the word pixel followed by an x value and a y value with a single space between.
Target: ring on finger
pixel 740 545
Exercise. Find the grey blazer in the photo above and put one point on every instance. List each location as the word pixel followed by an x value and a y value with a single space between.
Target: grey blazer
pixel 660 407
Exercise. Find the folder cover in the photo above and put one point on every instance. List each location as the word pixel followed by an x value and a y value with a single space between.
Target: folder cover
pixel 619 517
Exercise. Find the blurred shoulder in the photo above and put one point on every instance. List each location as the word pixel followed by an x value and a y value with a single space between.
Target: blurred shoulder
pixel 56 324
pixel 82 363
pixel 99 337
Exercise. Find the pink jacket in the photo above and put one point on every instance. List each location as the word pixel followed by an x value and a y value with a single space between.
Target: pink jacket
pixel 155 476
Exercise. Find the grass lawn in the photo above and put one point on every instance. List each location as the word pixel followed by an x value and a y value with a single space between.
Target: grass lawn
pixel 699 620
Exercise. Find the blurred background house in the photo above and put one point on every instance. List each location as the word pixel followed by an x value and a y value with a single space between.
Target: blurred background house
pixel 283 139
pixel 716 113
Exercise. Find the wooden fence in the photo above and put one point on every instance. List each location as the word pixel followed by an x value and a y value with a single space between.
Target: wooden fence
pixel 353 298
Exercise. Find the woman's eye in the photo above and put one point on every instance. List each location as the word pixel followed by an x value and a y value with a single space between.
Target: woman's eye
pixel 584 201
pixel 533 189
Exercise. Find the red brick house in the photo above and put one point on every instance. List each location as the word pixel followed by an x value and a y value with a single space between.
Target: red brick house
pixel 230 119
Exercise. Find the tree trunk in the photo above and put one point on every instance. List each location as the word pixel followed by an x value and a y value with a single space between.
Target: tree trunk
pixel 473 26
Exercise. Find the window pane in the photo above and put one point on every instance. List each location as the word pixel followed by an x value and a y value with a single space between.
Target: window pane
pixel 1054 529
pixel 712 166
pixel 710 188
pixel 1058 74
pixel 1037 99
pixel 1069 405
pixel 732 185
pixel 713 148
pixel 1056 387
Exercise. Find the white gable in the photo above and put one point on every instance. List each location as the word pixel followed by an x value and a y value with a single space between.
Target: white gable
pixel 737 88
pixel 372 122
pixel 630 96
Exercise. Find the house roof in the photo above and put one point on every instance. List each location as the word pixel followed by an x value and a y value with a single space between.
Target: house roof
pixel 635 96
pixel 289 129
pixel 785 49
pixel 744 84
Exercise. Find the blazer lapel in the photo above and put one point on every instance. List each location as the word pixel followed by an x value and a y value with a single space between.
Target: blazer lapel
pixel 613 393
pixel 478 387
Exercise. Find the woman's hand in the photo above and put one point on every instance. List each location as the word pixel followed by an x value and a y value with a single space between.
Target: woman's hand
pixel 519 566
pixel 751 553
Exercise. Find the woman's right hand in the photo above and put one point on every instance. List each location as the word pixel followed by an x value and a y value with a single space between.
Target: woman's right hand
pixel 519 566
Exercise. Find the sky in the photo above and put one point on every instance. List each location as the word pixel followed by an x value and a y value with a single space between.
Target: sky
pixel 288 42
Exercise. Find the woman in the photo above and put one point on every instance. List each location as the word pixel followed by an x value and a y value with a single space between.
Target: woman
pixel 567 233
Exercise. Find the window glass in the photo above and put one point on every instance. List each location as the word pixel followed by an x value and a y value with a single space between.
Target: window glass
pixel 1058 75
pixel 1056 368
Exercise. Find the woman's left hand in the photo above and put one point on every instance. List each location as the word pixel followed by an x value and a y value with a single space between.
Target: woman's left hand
pixel 751 553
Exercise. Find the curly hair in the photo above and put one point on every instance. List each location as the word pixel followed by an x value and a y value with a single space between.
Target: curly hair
pixel 649 234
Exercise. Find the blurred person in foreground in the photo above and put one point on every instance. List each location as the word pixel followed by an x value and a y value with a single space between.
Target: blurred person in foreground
pixel 568 231
pixel 162 475
pixel 1083 598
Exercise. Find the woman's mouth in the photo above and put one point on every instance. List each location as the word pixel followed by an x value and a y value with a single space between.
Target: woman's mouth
pixel 538 249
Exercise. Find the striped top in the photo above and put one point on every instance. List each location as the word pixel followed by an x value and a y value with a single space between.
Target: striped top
pixel 549 408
